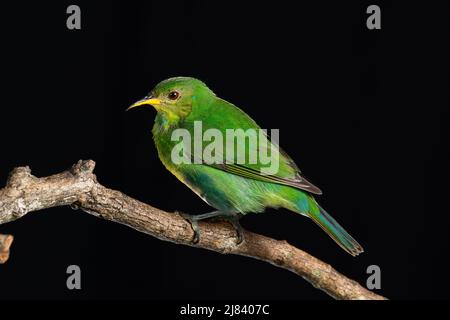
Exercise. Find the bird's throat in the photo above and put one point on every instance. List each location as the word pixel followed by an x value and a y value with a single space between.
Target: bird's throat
pixel 165 120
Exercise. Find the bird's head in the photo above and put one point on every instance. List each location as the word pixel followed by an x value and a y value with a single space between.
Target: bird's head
pixel 173 98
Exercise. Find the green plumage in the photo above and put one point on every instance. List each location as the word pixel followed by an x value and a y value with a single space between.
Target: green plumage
pixel 232 187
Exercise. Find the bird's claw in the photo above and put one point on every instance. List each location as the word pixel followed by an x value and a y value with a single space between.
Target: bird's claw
pixel 240 237
pixel 239 232
pixel 194 225
pixel 234 221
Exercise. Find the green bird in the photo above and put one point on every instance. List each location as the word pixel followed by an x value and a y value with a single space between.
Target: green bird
pixel 234 188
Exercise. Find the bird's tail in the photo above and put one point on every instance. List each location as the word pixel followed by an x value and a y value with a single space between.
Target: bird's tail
pixel 335 230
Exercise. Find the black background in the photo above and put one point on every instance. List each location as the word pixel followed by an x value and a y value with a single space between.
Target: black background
pixel 361 111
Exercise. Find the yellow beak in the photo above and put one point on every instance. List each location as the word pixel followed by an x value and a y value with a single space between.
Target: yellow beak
pixel 147 100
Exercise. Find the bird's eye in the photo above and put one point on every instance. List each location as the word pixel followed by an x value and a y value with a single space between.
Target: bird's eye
pixel 173 95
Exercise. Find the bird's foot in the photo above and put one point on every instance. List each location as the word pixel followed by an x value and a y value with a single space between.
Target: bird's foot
pixel 231 218
pixel 234 221
pixel 194 225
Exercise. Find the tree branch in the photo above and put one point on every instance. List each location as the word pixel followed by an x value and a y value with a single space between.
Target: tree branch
pixel 5 242
pixel 79 188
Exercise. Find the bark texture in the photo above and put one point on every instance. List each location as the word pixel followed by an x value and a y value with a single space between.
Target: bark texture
pixel 78 187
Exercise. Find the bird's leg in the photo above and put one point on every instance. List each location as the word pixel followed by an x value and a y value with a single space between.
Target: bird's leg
pixel 208 215
pixel 228 216
pixel 193 220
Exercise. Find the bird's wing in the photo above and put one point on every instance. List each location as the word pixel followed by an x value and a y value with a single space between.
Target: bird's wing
pixel 298 182
pixel 223 116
